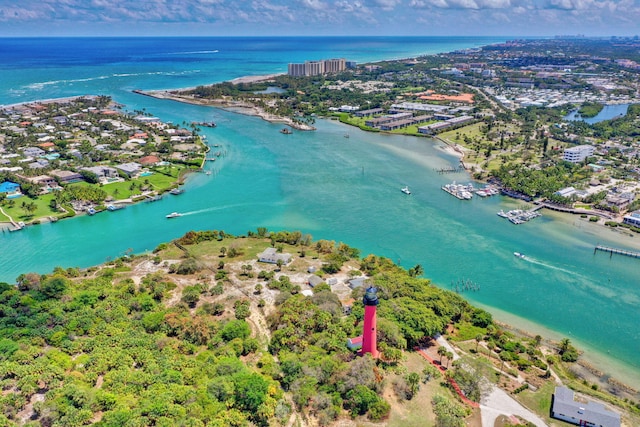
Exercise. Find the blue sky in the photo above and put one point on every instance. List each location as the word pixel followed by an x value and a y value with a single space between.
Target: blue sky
pixel 318 17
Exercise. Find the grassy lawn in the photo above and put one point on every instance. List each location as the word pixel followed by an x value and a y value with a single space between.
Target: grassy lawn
pixel 472 131
pixel 413 129
pixel 538 401
pixel 19 214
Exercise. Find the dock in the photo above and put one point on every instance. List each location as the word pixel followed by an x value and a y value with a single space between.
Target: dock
pixel 616 251
pixel 449 170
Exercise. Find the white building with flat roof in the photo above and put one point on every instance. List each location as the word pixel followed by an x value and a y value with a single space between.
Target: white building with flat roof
pixel 578 153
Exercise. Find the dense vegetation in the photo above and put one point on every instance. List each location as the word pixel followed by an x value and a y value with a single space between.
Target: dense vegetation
pixel 95 347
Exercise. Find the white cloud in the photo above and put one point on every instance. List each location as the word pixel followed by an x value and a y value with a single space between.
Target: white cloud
pixel 315 4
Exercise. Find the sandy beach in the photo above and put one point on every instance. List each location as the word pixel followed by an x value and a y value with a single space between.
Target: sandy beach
pixel 240 107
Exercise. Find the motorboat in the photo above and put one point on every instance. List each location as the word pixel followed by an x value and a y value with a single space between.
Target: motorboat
pixel 174 215
pixel 405 190
pixel 518 255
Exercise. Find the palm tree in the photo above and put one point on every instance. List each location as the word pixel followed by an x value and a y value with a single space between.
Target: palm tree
pixel 449 358
pixel 478 339
pixel 564 345
pixel 442 350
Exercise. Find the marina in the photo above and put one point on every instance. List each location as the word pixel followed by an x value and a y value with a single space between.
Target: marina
pixel 461 191
pixel 519 216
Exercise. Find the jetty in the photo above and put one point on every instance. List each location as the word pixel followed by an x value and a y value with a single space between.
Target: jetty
pixel 616 251
pixel 449 170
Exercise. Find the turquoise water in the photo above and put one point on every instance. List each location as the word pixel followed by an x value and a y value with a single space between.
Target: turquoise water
pixel 348 190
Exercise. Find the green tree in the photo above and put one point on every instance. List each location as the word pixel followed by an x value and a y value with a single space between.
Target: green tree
pixel 413 379
pixel 191 295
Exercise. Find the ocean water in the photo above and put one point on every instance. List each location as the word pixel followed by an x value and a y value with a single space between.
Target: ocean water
pixel 342 189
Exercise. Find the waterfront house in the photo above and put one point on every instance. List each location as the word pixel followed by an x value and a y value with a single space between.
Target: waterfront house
pixel 271 256
pixel 591 414
pixel 632 219
pixel 66 177
pixel 130 169
pixel 10 188
pixel 103 171
pixel 43 181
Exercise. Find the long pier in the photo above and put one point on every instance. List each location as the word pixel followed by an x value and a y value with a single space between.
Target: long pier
pixel 616 251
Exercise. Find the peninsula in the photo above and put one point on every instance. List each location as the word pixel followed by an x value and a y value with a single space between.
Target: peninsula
pixel 65 157
pixel 257 329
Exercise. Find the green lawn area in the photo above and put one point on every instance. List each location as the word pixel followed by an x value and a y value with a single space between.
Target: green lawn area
pixel 538 401
pixel 162 179
pixel 413 129
pixel 19 214
pixel 472 131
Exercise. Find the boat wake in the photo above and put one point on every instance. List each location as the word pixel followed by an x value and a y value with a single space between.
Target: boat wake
pixel 544 264
pixel 216 208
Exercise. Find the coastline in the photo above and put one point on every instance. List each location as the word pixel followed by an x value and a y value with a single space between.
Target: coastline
pixel 249 110
pixel 239 107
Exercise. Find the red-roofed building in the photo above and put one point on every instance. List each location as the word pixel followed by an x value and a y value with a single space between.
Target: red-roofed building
pixel 149 160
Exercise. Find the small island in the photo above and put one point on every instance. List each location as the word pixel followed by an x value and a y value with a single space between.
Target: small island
pixel 66 157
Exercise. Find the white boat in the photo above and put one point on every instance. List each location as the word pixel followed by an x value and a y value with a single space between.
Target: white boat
pixel 174 215
pixel 518 254
pixel 405 190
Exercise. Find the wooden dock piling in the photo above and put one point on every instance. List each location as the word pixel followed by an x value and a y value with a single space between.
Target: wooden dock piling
pixel 612 251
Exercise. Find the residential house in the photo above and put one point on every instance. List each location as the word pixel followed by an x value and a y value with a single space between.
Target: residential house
pixel 66 177
pixel 130 169
pixel 33 152
pixel 590 414
pixel 10 188
pixel 103 171
pixel 39 164
pixel 43 181
pixel 149 160
pixel 272 256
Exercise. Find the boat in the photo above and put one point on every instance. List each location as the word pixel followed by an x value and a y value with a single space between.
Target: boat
pixel 346 135
pixel 91 211
pixel 286 131
pixel 174 215
pixel 205 124
pixel 405 190
pixel 176 191
pixel 518 254
pixel 114 207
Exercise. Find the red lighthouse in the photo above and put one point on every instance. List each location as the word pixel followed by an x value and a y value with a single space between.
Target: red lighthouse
pixel 370 301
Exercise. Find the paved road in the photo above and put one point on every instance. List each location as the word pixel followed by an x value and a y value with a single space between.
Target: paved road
pixel 498 402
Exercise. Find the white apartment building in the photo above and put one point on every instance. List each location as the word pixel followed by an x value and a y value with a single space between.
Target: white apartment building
pixel 578 153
